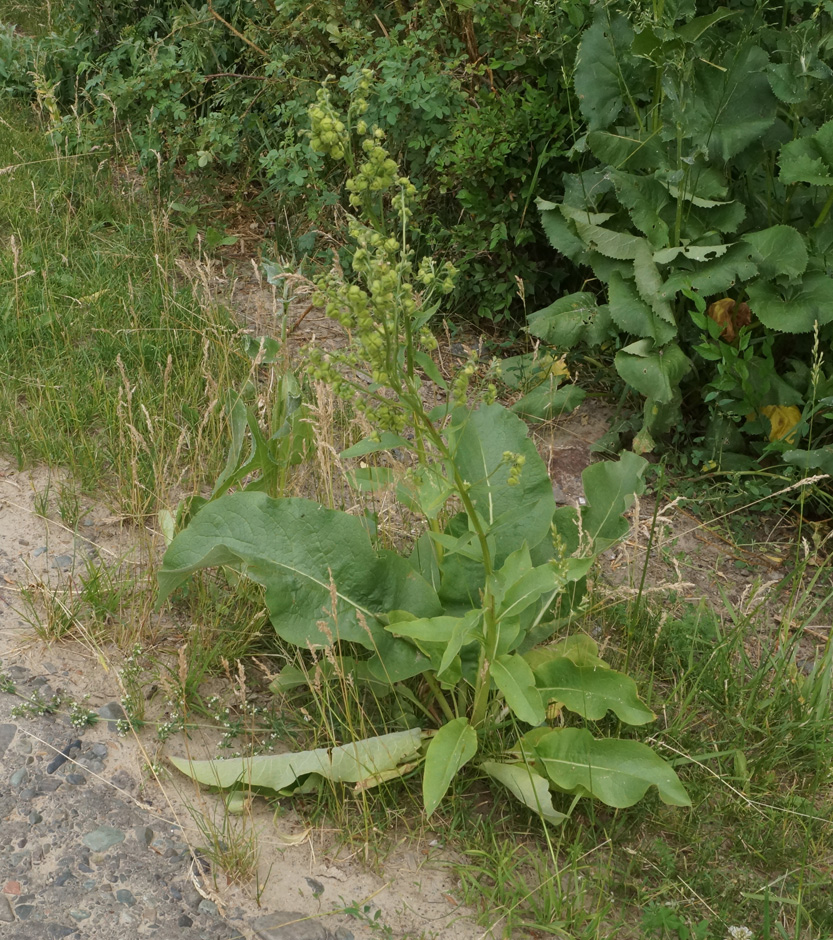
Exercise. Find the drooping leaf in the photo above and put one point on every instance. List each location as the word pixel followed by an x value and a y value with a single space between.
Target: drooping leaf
pixel 516 681
pixel 631 314
pixel 603 69
pixel 654 373
pixel 793 307
pixel 548 401
pixel 451 748
pixel 617 772
pixel 591 692
pixel 609 488
pixel 525 784
pixel 297 549
pixel 347 763
pixel 572 319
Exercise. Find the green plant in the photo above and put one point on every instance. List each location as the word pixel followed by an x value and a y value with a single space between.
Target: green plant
pixel 704 178
pixel 497 572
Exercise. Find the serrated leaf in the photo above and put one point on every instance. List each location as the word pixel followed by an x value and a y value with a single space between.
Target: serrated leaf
pixel 612 244
pixel 631 314
pixel 572 319
pixel 809 159
pixel 780 251
pixel 526 785
pixel 717 276
pixel 617 772
pixel 603 66
pixel 451 748
pixel 793 307
pixel 591 692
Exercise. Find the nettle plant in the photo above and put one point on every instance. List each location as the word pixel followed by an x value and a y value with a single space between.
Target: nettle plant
pixel 464 634
pixel 709 177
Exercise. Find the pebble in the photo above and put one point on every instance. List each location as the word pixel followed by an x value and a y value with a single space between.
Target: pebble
pixel 207 907
pixel 35 818
pixel 76 779
pixel 79 915
pixel 123 896
pixel 6 912
pixel 7 733
pixel 62 561
pixel 19 777
pixel 103 838
pixel 99 750
pixel 290 925
pixel 184 921
pixel 23 911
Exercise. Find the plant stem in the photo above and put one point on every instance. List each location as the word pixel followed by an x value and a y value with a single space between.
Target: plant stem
pixel 437 692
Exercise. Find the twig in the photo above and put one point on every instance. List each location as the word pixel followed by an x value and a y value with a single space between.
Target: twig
pixel 236 32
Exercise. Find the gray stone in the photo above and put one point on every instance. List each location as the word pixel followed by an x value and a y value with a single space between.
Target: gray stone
pixel 7 733
pixel 144 835
pixel 103 838
pixel 112 711
pixel 6 913
pixel 317 887
pixel 23 911
pixel 99 750
pixel 79 914
pixel 123 896
pixel 35 818
pixel 342 933
pixel 207 907
pixel 50 784
pixel 184 921
pixel 62 561
pixel 290 925
pixel 57 931
pixel 19 777
pixel 76 779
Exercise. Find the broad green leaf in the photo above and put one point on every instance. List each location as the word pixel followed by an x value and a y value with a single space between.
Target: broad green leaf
pixel 821 459
pixel 695 28
pixel 466 630
pixel 579 648
pixel 525 784
pixel 628 152
pixel 387 441
pixel 610 487
pixel 631 314
pixel 617 772
pixel 793 307
pixel 559 232
pixel 429 367
pixel 645 198
pixel 604 69
pixel 549 401
pixel 591 692
pixel 780 251
pixel 516 681
pixel 654 373
pixel 716 276
pixel 608 242
pixel 515 514
pixel 692 252
pixel 370 479
pixel 297 549
pixel 348 763
pixel 732 106
pixel 809 159
pixel 572 319
pixel 451 747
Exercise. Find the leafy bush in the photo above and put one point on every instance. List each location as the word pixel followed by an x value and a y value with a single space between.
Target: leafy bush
pixel 494 576
pixel 467 93
pixel 703 177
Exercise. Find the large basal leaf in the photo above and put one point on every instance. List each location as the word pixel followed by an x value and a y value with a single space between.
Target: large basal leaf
pixel 632 315
pixel 615 771
pixel 297 549
pixel 654 373
pixel 348 763
pixel 609 488
pixel 451 747
pixel 514 514
pixel 793 307
pixel 591 692
pixel 809 159
pixel 572 319
pixel 525 784
pixel 715 276
pixel 516 681
pixel 780 250
pixel 732 106
pixel 548 401
pixel 604 67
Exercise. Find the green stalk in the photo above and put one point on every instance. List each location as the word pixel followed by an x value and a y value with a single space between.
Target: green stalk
pixel 437 692
pixel 824 211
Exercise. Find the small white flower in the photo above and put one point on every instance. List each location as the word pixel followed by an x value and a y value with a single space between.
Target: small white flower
pixel 740 933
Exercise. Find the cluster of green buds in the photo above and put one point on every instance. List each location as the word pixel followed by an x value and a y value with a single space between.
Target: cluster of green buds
pixel 328 134
pixel 516 463
pixel 431 277
pixel 460 385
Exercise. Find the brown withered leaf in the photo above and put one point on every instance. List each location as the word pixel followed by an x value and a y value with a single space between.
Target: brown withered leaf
pixel 731 316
